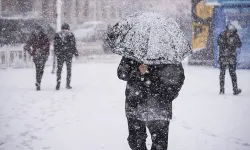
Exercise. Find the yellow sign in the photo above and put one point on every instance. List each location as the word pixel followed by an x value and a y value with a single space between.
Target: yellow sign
pixel 200 27
pixel 204 11
pixel 199 36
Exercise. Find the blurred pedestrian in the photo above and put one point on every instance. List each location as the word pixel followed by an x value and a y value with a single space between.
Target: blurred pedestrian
pixel 65 48
pixel 38 46
pixel 228 42
pixel 54 63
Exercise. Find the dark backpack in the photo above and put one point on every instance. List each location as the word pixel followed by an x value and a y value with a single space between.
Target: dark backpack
pixel 65 42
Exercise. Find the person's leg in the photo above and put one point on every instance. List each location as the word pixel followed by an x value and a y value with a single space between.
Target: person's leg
pixel 60 60
pixel 37 75
pixel 41 68
pixel 159 134
pixel 69 68
pixel 222 78
pixel 37 61
pixel 137 134
pixel 54 64
pixel 232 71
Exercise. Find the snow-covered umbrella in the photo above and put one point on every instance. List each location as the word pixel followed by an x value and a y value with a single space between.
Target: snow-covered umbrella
pixel 149 38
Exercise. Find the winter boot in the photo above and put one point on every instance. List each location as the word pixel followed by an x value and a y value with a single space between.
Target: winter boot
pixel 222 91
pixel 237 92
pixel 38 88
pixel 58 86
pixel 68 87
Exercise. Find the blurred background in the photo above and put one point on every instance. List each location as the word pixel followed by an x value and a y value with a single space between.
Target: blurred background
pixel 201 20
pixel 89 20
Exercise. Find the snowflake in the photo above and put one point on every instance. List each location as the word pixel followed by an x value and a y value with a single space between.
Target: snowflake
pixel 148 82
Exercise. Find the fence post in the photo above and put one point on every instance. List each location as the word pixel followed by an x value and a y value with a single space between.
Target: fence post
pixel 7 56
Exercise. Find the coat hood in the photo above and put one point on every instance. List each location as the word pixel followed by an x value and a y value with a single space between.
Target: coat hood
pixel 231 28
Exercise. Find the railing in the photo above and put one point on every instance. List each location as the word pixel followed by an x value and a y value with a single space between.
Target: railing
pixel 3 58
pixel 14 57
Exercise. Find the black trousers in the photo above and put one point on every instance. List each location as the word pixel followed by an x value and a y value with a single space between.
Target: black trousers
pixel 54 63
pixel 137 134
pixel 232 72
pixel 40 62
pixel 60 61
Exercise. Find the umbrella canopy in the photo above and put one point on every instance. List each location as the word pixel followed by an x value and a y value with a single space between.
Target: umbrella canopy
pixel 149 38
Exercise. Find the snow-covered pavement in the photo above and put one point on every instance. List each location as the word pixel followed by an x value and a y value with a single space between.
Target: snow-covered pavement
pixel 91 116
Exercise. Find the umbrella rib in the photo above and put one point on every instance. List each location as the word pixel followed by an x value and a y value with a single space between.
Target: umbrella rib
pixel 147 41
pixel 123 35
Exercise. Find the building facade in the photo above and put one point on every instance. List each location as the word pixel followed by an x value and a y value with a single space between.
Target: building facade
pixel 79 11
pixel 73 11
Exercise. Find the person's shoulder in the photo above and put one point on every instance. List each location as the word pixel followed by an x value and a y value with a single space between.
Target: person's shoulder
pixel 45 34
pixel 236 34
pixel 223 33
pixel 172 64
pixel 129 60
pixel 57 34
pixel 177 66
pixel 71 33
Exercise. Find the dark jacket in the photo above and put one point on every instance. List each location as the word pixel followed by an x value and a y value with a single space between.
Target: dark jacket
pixel 228 45
pixel 149 96
pixel 65 44
pixel 38 44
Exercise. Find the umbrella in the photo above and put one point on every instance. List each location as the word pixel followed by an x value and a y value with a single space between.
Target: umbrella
pixel 149 38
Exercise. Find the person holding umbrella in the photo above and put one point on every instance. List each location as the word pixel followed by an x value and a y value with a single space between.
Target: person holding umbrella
pixel 152 47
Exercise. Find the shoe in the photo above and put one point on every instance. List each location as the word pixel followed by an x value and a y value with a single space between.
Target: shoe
pixel 38 88
pixel 68 87
pixel 222 91
pixel 58 86
pixel 237 92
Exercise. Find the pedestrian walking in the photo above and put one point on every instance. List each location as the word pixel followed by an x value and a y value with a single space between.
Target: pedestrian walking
pixel 149 94
pixel 54 63
pixel 38 46
pixel 153 48
pixel 228 42
pixel 65 49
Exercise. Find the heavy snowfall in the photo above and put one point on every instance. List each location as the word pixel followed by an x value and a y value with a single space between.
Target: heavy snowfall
pixel 92 114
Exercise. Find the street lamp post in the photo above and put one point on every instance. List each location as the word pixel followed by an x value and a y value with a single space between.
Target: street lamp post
pixel 95 10
pixel 58 15
pixel 0 8
pixel 58 28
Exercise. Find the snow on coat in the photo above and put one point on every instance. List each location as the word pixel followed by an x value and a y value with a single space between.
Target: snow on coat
pixel 65 43
pixel 149 97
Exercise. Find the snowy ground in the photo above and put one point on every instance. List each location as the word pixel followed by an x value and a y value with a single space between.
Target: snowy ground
pixel 91 115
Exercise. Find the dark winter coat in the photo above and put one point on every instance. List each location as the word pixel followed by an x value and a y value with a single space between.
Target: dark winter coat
pixel 149 97
pixel 65 44
pixel 228 45
pixel 38 45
